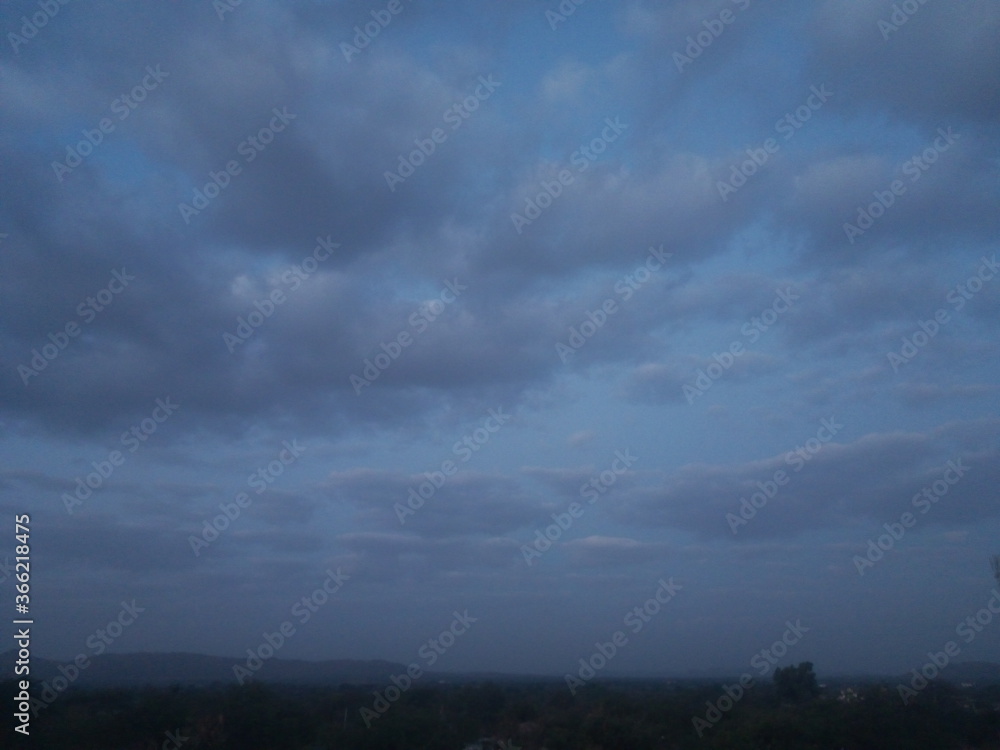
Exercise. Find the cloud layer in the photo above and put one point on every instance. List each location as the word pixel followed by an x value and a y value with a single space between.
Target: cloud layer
pixel 750 245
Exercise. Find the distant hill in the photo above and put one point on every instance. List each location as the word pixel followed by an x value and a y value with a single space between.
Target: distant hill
pixel 157 669
pixel 978 673
pixel 134 670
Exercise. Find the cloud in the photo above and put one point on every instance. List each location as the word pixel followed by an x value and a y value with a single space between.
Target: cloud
pixel 282 146
pixel 811 487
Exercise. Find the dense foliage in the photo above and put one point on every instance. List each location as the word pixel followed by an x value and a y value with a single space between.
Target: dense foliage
pixel 791 712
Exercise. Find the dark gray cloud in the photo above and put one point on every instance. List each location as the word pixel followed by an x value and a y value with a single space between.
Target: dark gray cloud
pixel 225 236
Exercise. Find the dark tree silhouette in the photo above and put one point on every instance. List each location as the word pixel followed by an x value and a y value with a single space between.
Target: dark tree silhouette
pixel 796 683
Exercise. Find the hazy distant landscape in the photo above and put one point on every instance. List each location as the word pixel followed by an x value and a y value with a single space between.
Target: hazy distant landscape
pixel 578 374
pixel 305 705
pixel 125 701
pixel 165 670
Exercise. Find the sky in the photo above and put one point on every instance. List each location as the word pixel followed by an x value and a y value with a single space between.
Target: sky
pixel 503 320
